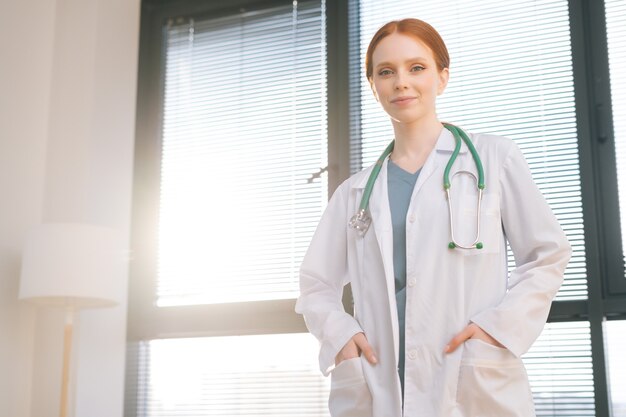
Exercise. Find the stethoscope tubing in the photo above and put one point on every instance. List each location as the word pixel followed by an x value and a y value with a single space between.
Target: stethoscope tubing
pixel 361 220
pixel 459 135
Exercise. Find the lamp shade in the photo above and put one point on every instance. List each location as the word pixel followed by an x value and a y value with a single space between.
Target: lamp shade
pixel 73 265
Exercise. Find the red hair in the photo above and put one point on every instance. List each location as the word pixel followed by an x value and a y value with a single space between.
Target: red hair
pixel 416 28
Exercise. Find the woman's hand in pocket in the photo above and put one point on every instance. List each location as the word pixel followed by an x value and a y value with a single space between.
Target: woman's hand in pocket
pixel 471 331
pixel 356 345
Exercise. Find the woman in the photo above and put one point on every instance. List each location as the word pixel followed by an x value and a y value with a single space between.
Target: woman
pixel 437 330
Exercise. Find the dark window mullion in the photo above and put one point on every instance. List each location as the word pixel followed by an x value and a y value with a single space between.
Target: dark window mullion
pixel 596 129
pixel 597 159
pixel 338 93
pixel 338 77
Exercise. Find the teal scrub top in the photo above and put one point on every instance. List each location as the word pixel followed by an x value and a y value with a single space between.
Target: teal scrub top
pixel 400 185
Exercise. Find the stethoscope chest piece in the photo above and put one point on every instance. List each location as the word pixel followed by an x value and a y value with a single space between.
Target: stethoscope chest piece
pixel 360 222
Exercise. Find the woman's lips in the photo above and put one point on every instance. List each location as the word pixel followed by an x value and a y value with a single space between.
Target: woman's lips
pixel 402 100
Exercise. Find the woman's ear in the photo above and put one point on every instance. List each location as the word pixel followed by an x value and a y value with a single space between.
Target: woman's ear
pixel 444 75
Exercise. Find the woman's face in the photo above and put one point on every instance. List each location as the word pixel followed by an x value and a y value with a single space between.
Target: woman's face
pixel 405 78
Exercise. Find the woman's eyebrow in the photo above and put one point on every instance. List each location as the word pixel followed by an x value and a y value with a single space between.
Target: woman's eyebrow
pixel 385 63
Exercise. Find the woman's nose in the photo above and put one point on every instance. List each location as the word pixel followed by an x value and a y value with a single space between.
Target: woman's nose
pixel 401 80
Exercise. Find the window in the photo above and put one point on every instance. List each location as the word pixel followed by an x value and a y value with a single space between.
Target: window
pixel 238 173
pixel 244 114
pixel 500 82
pixel 616 346
pixel 559 367
pixel 273 375
pixel 244 133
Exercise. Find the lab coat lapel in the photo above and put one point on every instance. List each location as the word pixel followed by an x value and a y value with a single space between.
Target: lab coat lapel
pixel 445 145
pixel 381 220
pixel 428 169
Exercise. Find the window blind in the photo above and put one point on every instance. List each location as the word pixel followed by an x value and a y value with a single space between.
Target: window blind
pixel 560 370
pixel 244 141
pixel 615 347
pixel 243 376
pixel 511 74
pixel 616 40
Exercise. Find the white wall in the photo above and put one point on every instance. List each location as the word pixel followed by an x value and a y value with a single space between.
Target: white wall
pixel 67 109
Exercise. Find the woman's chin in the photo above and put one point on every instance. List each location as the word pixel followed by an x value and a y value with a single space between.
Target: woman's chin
pixel 407 119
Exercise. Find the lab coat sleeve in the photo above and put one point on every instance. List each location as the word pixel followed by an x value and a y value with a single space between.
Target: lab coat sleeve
pixel 541 252
pixel 323 274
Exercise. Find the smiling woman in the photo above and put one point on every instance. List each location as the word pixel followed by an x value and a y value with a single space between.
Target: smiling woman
pixel 438 329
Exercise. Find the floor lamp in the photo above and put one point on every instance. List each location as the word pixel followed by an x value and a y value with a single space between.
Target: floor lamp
pixel 72 266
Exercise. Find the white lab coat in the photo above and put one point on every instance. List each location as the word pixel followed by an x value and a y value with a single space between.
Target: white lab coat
pixel 446 289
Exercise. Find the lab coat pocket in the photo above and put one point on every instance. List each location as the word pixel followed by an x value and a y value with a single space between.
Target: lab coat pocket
pixel 349 393
pixel 492 382
pixel 490 232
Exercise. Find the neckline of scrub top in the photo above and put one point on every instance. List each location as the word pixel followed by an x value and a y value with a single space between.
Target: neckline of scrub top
pixel 402 174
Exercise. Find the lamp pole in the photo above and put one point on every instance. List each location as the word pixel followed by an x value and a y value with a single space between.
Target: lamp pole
pixel 68 336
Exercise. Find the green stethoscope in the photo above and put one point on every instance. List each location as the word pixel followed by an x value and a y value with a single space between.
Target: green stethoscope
pixel 361 220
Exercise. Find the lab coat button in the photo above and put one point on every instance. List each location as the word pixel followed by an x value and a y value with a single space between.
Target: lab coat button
pixel 412 218
pixel 412 282
pixel 412 354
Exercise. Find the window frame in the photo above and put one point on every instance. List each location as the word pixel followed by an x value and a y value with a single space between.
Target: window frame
pixel 601 212
pixel 613 245
pixel 145 320
pixel 597 135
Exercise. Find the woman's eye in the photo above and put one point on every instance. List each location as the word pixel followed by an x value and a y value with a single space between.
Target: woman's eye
pixel 384 72
pixel 417 68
